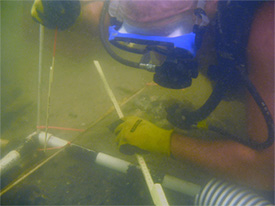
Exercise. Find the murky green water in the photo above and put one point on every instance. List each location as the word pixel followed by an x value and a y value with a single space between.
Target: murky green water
pixel 78 100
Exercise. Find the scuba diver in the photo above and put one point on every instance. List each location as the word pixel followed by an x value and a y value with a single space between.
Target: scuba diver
pixel 174 30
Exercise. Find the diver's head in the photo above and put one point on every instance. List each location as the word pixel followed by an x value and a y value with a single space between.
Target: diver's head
pixel 176 43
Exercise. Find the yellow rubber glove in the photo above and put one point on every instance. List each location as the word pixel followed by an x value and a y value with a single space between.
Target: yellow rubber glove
pixel 37 8
pixel 144 135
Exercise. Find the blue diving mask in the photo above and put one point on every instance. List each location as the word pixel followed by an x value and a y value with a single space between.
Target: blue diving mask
pixel 179 65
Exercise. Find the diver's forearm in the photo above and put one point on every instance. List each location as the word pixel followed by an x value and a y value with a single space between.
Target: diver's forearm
pixel 227 159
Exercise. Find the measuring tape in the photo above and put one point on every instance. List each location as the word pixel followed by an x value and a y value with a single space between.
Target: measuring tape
pixel 156 190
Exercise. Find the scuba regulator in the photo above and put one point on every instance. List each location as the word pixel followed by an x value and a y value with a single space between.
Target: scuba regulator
pixel 180 65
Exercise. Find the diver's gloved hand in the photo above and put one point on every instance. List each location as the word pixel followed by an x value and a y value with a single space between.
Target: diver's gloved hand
pixel 144 135
pixel 56 13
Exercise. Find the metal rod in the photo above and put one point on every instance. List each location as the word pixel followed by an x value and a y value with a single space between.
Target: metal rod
pixel 40 58
pixel 49 90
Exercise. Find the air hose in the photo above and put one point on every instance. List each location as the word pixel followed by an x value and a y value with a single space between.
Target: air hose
pixel 217 192
pixel 266 114
pixel 197 115
pixel 185 119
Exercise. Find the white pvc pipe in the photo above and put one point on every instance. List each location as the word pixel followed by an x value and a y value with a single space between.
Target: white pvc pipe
pixel 52 141
pixel 112 162
pixel 101 159
pixel 181 186
pixel 170 182
pixel 120 165
pixel 10 160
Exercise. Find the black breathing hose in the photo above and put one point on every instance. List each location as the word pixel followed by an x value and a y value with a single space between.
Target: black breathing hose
pixel 209 106
pixel 266 114
pixel 213 101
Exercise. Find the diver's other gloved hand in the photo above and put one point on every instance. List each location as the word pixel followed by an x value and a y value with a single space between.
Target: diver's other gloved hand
pixel 144 135
pixel 181 116
pixel 56 13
